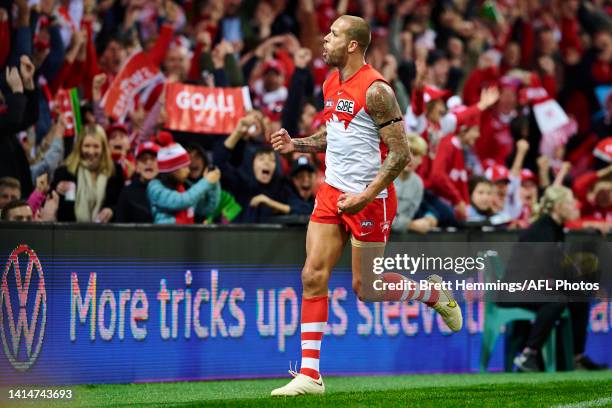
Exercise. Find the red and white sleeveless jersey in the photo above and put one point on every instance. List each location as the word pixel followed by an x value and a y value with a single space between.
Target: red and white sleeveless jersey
pixel 354 148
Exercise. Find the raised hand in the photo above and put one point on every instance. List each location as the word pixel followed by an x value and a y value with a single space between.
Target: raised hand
pixel 48 212
pixel 302 57
pixel 212 176
pixel 281 142
pixel 26 69
pixel 488 97
pixel 42 183
pixel 420 64
pixel 522 146
pixel 13 79
pixel 547 64
pixel 97 83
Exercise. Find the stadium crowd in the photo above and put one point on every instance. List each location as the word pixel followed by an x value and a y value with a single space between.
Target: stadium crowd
pixel 502 100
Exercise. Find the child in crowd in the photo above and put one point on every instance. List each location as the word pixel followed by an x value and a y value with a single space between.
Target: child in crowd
pixel 228 208
pixel 133 205
pixel 481 200
pixel 507 204
pixel 171 202
pixel 301 196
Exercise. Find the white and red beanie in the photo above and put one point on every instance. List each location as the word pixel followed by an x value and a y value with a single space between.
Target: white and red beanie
pixel 497 173
pixel 603 150
pixel 432 93
pixel 171 156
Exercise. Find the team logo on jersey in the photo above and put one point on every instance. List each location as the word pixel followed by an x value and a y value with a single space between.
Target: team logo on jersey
pixel 458 175
pixel 345 105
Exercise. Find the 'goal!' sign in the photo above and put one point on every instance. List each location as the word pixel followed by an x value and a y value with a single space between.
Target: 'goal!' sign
pixel 200 109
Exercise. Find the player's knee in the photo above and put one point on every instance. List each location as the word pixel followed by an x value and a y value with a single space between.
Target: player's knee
pixel 313 279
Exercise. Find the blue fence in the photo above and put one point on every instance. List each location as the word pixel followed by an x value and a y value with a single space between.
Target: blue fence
pixel 112 305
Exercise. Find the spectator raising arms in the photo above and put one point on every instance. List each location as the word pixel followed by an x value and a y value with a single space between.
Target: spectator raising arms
pixel 257 188
pixel 171 202
pixel 20 112
pixel 89 183
pixel 535 71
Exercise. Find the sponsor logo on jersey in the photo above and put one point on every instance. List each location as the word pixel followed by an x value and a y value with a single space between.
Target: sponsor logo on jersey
pixel 345 105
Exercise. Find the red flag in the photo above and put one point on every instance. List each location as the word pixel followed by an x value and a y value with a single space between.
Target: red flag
pixel 137 73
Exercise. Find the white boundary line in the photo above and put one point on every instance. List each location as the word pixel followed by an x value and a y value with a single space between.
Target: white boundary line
pixel 586 404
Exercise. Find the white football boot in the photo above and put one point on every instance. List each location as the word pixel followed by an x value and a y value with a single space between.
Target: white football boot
pixel 300 385
pixel 447 307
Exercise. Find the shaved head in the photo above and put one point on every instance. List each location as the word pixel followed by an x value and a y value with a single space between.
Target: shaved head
pixel 348 37
pixel 357 30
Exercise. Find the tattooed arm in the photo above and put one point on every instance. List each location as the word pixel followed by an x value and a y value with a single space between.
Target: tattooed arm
pixel 317 142
pixel 382 107
pixel 282 143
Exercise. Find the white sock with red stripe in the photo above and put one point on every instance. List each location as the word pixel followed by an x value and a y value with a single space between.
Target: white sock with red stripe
pixel 409 292
pixel 314 319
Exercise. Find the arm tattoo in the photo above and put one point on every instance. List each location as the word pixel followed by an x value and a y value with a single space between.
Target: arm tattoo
pixel 382 107
pixel 312 144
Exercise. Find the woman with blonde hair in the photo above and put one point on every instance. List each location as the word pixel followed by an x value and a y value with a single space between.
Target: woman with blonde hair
pixel 88 182
pixel 556 207
pixel 559 204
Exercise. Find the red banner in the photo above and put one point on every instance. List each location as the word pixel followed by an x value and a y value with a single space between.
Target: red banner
pixel 137 73
pixel 199 109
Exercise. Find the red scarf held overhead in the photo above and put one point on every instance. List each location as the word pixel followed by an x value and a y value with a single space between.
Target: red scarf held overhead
pixel 184 216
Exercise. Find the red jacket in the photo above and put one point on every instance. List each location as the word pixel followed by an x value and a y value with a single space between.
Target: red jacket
pixel 495 141
pixel 588 211
pixel 433 133
pixel 449 177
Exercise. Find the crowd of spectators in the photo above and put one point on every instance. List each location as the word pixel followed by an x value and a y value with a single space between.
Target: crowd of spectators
pixel 470 76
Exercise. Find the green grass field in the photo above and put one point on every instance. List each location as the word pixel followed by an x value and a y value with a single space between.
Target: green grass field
pixel 573 389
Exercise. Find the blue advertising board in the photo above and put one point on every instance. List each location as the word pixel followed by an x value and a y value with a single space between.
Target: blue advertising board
pixel 70 319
